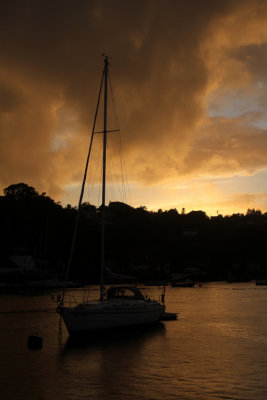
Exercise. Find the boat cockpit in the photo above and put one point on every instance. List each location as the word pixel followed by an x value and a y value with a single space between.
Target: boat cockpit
pixel 129 292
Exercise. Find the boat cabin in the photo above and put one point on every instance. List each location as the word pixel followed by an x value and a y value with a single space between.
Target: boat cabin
pixel 129 292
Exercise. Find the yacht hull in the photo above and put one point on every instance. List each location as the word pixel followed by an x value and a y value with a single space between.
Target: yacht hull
pixel 82 319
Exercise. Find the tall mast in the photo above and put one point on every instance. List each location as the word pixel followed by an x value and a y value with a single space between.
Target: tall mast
pixel 104 178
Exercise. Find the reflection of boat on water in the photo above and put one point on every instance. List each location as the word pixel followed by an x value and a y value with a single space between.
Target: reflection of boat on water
pixel 129 334
pixel 186 283
pixel 120 306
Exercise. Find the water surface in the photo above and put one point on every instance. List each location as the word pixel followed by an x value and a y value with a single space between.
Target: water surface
pixel 217 349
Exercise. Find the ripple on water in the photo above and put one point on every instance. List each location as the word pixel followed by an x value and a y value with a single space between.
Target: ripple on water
pixel 217 349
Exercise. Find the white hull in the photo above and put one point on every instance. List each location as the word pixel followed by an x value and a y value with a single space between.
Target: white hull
pixel 108 314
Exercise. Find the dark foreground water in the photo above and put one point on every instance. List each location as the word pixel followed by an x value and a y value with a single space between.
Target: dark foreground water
pixel 217 349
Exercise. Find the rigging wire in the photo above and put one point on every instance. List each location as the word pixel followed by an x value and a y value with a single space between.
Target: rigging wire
pixel 94 178
pixel 115 185
pixel 123 167
pixel 94 186
pixel 125 182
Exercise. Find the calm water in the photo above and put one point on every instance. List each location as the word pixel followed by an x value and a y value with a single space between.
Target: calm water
pixel 217 349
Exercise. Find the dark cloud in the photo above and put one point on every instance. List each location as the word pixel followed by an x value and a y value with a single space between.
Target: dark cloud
pixel 254 56
pixel 10 99
pixel 50 71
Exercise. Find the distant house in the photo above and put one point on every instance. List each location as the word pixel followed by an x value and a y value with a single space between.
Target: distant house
pixel 20 261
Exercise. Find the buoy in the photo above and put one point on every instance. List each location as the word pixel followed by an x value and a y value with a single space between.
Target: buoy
pixel 35 341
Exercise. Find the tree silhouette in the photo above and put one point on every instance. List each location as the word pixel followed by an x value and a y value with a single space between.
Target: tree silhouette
pixel 20 190
pixel 146 244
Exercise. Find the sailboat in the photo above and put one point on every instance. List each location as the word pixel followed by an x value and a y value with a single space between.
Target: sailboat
pixel 119 306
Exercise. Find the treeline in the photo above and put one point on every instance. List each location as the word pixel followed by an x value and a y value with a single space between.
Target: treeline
pixel 144 244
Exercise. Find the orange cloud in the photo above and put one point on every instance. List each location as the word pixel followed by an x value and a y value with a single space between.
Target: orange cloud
pixel 169 61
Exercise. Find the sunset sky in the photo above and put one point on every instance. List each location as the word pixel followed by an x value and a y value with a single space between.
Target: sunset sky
pixel 189 79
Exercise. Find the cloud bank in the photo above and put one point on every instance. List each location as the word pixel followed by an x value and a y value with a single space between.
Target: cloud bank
pixel 174 67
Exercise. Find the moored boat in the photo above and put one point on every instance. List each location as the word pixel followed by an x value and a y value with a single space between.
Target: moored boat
pixel 186 283
pixel 120 306
pixel 261 283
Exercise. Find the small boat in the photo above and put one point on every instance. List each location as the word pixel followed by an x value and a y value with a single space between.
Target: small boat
pixel 261 283
pixel 122 306
pixel 167 316
pixel 186 283
pixel 156 283
pixel 119 306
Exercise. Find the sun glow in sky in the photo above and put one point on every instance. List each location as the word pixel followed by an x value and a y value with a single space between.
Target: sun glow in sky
pixel 189 80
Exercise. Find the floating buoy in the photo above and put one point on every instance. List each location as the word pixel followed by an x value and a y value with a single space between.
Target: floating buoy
pixel 35 341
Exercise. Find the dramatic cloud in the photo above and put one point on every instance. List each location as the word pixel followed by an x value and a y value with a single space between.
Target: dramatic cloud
pixel 174 67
